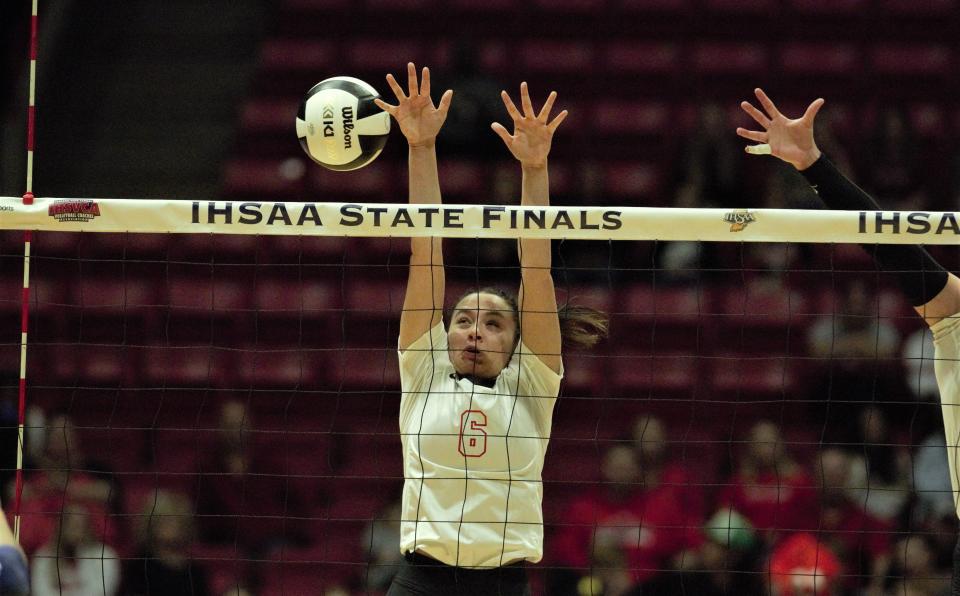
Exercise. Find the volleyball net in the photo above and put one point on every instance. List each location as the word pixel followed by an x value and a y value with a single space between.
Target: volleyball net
pixel 221 378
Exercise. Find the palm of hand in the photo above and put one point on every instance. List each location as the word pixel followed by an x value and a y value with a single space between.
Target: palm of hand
pixel 790 140
pixel 418 119
pixel 531 141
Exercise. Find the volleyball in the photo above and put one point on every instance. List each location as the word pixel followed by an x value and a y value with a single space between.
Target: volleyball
pixel 339 126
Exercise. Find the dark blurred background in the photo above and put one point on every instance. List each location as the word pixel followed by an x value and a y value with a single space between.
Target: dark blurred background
pixel 246 386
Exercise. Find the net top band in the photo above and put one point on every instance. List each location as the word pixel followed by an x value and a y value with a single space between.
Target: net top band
pixel 479 221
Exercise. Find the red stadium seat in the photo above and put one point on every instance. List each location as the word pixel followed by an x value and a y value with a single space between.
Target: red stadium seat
pixel 729 58
pixel 571 5
pixel 117 293
pixel 188 366
pixel 260 177
pixel 632 180
pixel 313 56
pixel 655 5
pixel 374 182
pixel 306 571
pixel 556 56
pixel 494 55
pixel 623 117
pixel 465 180
pixel 918 7
pixel 820 58
pixel 752 376
pixel 269 116
pixel 386 55
pixel 912 60
pixel 831 7
pixel 929 121
pixel 637 373
pixel 741 5
pixel 366 368
pixel 279 369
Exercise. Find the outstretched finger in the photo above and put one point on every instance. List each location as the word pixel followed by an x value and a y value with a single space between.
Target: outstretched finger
pixel 384 106
pixel 771 109
pixel 753 135
pixel 412 78
pixel 755 114
pixel 445 100
pixel 425 82
pixel 525 100
pixel 545 110
pixel 511 107
pixel 812 110
pixel 396 88
pixel 502 133
pixel 557 121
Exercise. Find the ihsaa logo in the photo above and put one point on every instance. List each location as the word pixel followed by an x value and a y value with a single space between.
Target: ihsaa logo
pixel 739 219
pixel 73 210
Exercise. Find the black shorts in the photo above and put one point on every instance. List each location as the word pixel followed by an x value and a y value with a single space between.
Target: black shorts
pixel 422 576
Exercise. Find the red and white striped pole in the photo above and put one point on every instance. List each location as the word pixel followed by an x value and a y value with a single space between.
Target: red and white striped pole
pixel 25 296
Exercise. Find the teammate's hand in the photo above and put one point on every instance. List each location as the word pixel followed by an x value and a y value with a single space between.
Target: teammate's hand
pixel 789 139
pixel 532 133
pixel 419 120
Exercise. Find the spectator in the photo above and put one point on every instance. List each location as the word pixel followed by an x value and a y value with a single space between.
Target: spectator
pixel 852 345
pixel 64 475
pixel 801 566
pixel 727 562
pixel 240 494
pixel 162 565
pixel 915 571
pixel 630 530
pixel 879 469
pixel 860 541
pixel 774 492
pixel 382 541
pixel 73 562
pixel 658 470
pixel 931 480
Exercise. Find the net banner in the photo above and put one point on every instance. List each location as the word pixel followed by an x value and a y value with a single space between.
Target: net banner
pixel 473 221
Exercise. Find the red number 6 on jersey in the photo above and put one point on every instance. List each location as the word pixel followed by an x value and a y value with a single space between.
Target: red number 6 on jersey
pixel 473 439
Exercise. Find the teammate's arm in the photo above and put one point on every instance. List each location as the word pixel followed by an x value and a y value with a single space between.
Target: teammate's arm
pixel 934 293
pixel 537 299
pixel 420 121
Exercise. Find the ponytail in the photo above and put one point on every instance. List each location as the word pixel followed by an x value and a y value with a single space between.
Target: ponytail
pixel 582 327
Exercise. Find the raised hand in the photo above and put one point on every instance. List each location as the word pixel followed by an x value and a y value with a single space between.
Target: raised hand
pixel 532 133
pixel 788 139
pixel 419 120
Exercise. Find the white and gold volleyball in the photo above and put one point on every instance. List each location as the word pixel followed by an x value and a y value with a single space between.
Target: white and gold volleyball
pixel 339 126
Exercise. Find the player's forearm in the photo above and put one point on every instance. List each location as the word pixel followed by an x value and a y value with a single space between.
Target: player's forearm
pixel 920 277
pixel 424 186
pixel 535 257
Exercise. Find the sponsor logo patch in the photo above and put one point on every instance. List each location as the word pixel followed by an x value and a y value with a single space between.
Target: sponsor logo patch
pixel 738 220
pixel 73 210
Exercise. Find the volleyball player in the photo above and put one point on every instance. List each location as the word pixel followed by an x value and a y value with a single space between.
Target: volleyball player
pixel 933 292
pixel 14 579
pixel 477 397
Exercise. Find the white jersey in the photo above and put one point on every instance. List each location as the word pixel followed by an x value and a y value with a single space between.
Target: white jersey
pixel 946 365
pixel 473 456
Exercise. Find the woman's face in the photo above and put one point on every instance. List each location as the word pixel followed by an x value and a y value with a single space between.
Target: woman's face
pixel 481 336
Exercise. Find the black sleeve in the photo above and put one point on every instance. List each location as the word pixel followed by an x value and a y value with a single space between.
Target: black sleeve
pixel 920 277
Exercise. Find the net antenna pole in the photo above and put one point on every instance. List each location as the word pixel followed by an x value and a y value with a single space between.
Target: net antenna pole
pixel 25 296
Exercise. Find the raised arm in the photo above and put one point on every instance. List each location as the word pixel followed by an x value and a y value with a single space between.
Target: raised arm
pixel 420 122
pixel 537 299
pixel 934 293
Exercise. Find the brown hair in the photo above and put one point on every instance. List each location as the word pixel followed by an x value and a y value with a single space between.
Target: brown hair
pixel 581 327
